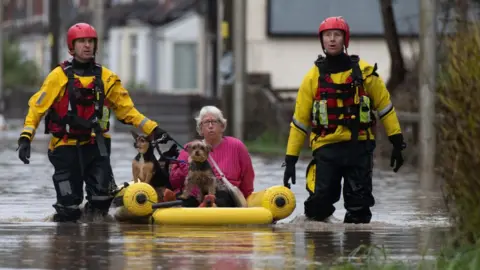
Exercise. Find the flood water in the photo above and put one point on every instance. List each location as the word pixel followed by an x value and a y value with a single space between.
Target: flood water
pixel 406 221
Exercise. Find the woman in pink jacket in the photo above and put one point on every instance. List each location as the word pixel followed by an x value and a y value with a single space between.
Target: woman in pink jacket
pixel 229 153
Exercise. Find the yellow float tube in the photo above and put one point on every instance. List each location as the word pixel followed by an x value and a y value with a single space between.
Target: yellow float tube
pixel 137 202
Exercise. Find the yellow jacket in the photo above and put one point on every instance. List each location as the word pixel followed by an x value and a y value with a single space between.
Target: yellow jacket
pixel 300 125
pixel 53 88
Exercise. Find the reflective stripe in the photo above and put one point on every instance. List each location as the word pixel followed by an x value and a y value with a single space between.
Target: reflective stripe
pixel 40 98
pixel 31 129
pixel 300 126
pixel 385 110
pixel 69 206
pixel 100 198
pixel 144 121
pixel 65 188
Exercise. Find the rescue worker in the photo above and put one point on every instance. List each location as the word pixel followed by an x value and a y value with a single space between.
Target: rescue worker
pixel 76 99
pixel 335 103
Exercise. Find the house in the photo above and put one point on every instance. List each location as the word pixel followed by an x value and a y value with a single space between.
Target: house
pixel 283 40
pixel 159 44
pixel 150 44
pixel 161 58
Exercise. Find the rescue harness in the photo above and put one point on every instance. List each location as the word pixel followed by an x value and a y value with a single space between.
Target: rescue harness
pixel 82 113
pixel 355 114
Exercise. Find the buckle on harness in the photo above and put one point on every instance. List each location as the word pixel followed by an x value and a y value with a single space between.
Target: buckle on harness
pixel 356 83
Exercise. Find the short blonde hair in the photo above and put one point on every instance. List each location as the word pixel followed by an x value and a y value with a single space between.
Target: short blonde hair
pixel 216 112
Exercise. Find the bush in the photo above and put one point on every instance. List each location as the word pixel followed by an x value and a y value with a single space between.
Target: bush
pixel 18 71
pixel 458 150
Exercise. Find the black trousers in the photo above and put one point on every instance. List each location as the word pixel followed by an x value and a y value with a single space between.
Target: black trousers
pixel 354 162
pixel 75 165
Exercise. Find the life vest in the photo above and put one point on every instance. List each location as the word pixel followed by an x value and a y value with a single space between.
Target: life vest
pixel 82 111
pixel 356 109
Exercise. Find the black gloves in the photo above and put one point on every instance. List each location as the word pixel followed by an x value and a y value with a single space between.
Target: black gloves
pixel 396 160
pixel 289 165
pixel 159 133
pixel 24 150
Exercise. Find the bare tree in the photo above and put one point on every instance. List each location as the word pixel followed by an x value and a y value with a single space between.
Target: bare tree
pixel 397 66
pixel 461 10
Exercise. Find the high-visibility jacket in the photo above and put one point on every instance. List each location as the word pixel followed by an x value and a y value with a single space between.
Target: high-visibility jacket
pixel 369 89
pixel 51 95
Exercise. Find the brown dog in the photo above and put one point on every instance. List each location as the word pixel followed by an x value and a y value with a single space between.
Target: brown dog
pixel 199 173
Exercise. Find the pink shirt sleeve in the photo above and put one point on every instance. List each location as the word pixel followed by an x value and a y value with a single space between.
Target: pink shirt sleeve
pixel 179 171
pixel 248 174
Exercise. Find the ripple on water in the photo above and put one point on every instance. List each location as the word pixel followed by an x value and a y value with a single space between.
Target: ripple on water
pixel 398 199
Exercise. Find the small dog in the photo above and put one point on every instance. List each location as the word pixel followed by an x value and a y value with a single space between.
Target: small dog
pixel 146 168
pixel 143 165
pixel 200 173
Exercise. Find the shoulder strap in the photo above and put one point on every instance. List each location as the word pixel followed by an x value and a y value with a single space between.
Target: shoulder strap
pixel 99 90
pixel 321 64
pixel 356 71
pixel 67 68
pixel 70 87
pixel 97 71
pixel 374 71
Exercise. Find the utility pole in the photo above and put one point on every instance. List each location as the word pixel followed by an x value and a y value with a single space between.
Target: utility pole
pixel 239 55
pixel 2 103
pixel 428 37
pixel 209 54
pixel 226 95
pixel 211 47
pixel 218 47
pixel 99 25
pixel 54 29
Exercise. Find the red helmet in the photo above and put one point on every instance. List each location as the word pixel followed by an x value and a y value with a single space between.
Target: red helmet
pixel 80 30
pixel 337 23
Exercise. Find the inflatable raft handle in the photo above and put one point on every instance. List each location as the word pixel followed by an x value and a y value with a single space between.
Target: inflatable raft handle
pixel 167 204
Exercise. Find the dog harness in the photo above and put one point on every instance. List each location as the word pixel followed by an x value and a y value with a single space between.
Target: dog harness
pixel 199 166
pixel 355 113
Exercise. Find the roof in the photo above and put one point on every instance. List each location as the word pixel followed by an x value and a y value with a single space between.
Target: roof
pixel 302 17
pixel 150 12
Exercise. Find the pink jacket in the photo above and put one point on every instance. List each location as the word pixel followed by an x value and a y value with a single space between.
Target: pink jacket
pixel 232 158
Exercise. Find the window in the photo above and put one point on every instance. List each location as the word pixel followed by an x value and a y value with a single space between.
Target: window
pixel 185 66
pixel 37 7
pixel 20 10
pixel 133 58
pixel 104 55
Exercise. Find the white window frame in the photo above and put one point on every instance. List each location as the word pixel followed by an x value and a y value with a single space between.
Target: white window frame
pixel 173 65
pixel 134 54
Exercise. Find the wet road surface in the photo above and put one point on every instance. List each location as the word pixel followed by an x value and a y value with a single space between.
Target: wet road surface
pixel 407 221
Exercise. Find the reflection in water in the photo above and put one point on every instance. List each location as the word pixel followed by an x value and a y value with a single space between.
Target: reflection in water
pixel 253 248
pixel 398 199
pixel 121 246
pixel 73 246
pixel 28 242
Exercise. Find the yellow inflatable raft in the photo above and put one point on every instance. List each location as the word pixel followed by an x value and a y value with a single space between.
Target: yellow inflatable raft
pixel 137 202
